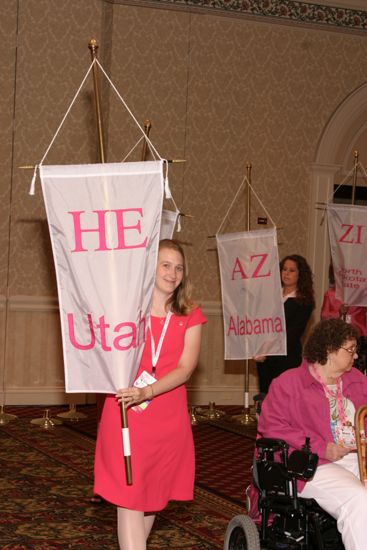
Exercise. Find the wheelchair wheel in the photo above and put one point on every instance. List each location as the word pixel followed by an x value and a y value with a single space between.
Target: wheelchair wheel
pixel 241 534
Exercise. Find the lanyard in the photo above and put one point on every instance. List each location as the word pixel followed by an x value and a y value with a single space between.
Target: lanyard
pixel 338 395
pixel 156 352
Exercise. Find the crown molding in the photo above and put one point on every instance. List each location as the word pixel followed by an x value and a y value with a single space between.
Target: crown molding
pixel 342 17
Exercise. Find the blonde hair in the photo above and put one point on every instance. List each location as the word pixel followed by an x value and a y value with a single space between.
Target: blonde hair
pixel 180 302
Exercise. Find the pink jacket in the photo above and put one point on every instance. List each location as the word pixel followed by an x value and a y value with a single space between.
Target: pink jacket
pixel 296 407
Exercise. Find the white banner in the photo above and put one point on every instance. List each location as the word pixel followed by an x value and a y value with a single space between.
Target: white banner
pixel 348 244
pixel 253 309
pixel 104 221
pixel 168 224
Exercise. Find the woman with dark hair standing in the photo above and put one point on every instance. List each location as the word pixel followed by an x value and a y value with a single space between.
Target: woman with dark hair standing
pixel 299 302
pixel 162 448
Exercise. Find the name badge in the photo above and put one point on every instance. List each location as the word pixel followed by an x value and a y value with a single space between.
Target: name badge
pixel 345 435
pixel 145 379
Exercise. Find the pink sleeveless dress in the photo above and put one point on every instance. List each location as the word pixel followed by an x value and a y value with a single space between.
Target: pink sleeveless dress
pixel 162 448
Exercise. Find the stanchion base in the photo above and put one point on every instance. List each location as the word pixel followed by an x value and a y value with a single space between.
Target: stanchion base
pixel 5 418
pixel 210 412
pixel 194 419
pixel 245 418
pixel 72 414
pixel 46 422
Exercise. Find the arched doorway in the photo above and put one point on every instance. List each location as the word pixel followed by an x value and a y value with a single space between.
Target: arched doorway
pixel 345 132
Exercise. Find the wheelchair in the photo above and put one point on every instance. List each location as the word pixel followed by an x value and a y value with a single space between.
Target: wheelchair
pixel 285 521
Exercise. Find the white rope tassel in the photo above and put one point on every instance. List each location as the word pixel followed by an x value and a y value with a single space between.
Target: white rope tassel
pixel 32 188
pixel 167 190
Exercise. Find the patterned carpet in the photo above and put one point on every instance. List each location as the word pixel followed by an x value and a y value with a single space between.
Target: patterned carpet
pixel 46 478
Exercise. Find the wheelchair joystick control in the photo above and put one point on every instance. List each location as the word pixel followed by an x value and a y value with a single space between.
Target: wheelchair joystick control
pixel 303 463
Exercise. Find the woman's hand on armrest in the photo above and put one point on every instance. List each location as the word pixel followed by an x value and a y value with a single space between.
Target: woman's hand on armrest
pixel 335 452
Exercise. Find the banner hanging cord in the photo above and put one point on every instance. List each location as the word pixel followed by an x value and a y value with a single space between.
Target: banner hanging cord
pixel 128 109
pixel 350 173
pixel 133 149
pixel 150 144
pixel 360 165
pixel 235 197
pixel 232 203
pixel 135 146
pixel 262 205
pixel 340 184
pixel 37 166
pixel 152 152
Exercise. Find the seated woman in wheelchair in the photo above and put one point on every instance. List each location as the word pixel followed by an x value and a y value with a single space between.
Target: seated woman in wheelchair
pixel 319 400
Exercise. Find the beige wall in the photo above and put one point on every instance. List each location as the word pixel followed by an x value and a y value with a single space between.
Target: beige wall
pixel 220 91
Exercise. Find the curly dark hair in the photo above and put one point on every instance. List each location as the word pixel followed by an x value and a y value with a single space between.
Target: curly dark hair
pixel 305 292
pixel 327 336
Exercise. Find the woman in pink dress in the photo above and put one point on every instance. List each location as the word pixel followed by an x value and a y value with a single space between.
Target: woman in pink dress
pixel 333 308
pixel 162 448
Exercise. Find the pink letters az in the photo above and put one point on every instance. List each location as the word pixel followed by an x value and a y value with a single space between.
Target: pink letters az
pixel 258 265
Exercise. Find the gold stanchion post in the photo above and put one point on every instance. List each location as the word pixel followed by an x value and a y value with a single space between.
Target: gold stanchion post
pixel 245 417
pixel 344 307
pixel 147 128
pixel 93 46
pixel 355 175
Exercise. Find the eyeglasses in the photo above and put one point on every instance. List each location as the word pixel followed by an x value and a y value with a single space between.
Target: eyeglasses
pixel 352 351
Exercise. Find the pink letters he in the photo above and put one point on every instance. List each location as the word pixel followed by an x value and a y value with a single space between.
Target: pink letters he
pixel 121 229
